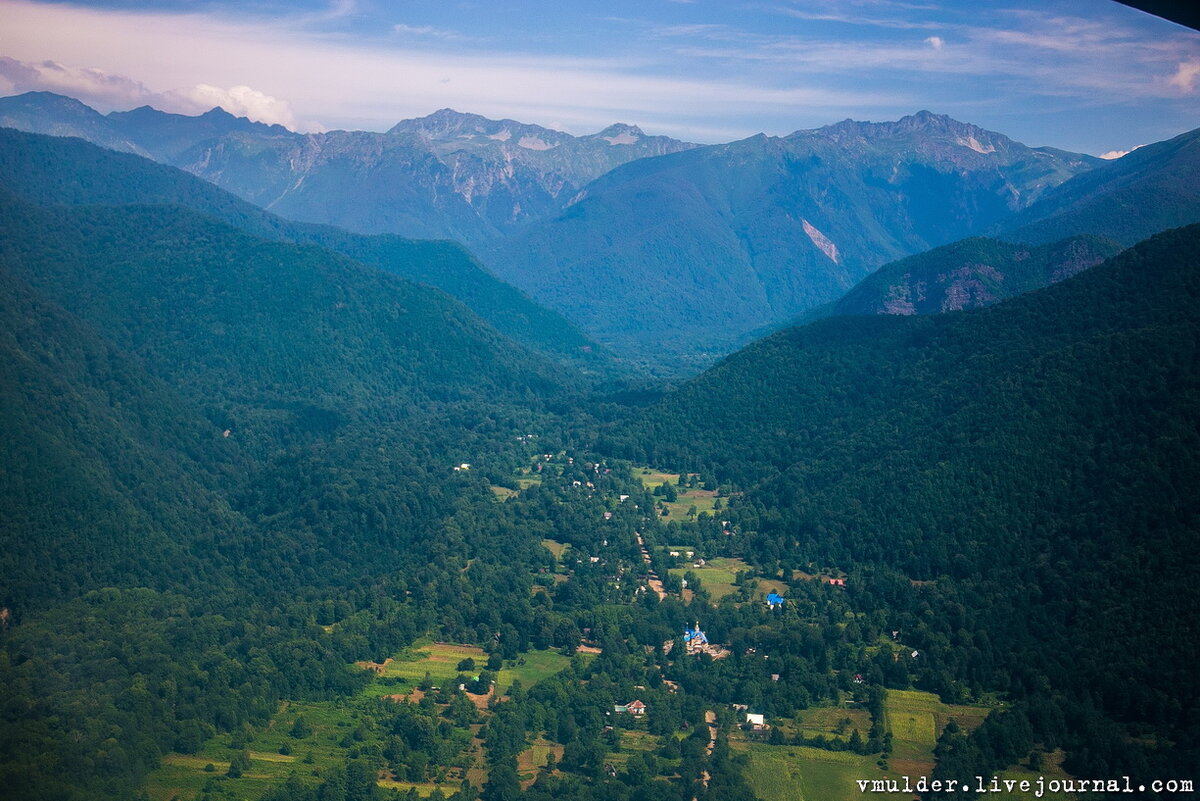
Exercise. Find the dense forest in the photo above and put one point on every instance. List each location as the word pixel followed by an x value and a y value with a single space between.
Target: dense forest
pixel 60 171
pixel 284 521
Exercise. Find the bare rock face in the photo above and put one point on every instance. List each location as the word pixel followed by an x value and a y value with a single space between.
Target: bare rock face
pixel 969 274
pixel 447 175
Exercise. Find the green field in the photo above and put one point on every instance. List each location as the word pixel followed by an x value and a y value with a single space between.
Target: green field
pixel 828 720
pixel 503 493
pixel 537 665
pixel 793 773
pixel 440 660
pixel 717 575
pixel 916 720
pixel 424 789
pixel 555 547
pixel 652 478
pixel 183 775
pixel 703 500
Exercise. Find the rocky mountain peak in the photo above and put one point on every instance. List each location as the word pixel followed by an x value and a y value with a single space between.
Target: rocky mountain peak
pixel 621 134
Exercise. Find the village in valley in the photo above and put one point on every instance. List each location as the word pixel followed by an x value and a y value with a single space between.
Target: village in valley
pixel 724 685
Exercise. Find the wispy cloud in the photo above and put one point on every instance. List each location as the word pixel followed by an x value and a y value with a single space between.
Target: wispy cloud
pixel 1185 76
pixel 895 23
pixel 372 85
pixel 425 30
pixel 694 70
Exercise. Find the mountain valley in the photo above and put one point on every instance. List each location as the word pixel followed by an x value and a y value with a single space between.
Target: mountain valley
pixel 474 460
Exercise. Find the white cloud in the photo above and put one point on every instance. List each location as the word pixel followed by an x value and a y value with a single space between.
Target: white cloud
pixel 1185 76
pixel 697 81
pixel 1116 154
pixel 93 86
pixel 241 101
pixel 107 91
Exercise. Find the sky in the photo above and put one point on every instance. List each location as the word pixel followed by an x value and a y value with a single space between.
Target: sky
pixel 1091 76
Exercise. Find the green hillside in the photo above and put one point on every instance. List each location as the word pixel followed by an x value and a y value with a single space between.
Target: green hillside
pixel 54 171
pixel 96 444
pixel 311 363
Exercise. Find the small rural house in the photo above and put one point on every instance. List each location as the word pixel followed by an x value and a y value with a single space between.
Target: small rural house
pixel 636 708
pixel 756 722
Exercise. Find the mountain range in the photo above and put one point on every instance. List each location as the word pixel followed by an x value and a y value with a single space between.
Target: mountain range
pixel 701 247
pixel 666 253
pixel 445 176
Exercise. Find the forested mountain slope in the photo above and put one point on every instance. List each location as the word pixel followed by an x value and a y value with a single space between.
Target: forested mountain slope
pixel 679 256
pixel 310 361
pixel 50 170
pixel 1035 460
pixel 1154 188
pixel 968 274
pixel 96 444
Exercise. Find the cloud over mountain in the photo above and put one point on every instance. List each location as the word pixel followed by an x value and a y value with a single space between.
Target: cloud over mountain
pixel 108 91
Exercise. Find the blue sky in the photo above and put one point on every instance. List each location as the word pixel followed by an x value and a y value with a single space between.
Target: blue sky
pixel 1092 76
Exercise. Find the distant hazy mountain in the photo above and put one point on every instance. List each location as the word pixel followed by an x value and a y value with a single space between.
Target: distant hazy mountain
pixel 685 253
pixel 447 175
pixel 55 115
pixel 666 252
pixel 54 171
pixel 969 274
pixel 165 136
pixel 1154 188
pixel 488 157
